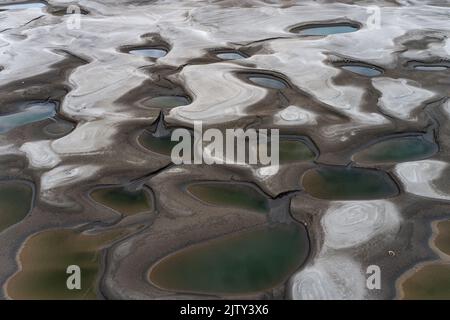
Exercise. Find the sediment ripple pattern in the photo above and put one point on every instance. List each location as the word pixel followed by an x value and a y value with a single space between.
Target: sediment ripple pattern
pixel 40 154
pixel 418 178
pixel 329 278
pixel 230 99
pixel 355 223
pixel 400 98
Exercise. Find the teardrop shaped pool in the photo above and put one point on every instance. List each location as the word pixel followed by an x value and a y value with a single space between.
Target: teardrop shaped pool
pixel 251 261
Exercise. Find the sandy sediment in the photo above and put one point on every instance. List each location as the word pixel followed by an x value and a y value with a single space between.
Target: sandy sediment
pixel 231 96
pixel 346 227
pixel 294 116
pixel 417 177
pixel 400 98
pixel 353 223
pixel 40 154
pixel 329 278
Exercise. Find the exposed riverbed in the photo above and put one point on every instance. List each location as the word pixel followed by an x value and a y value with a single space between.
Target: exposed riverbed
pixel 358 90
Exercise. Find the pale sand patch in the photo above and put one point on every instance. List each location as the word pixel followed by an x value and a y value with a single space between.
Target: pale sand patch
pixel 66 175
pixel 446 106
pixel 230 99
pixel 293 116
pixel 88 137
pixel 349 224
pixel 9 149
pixel 399 97
pixel 417 177
pixel 40 154
pixel 330 278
